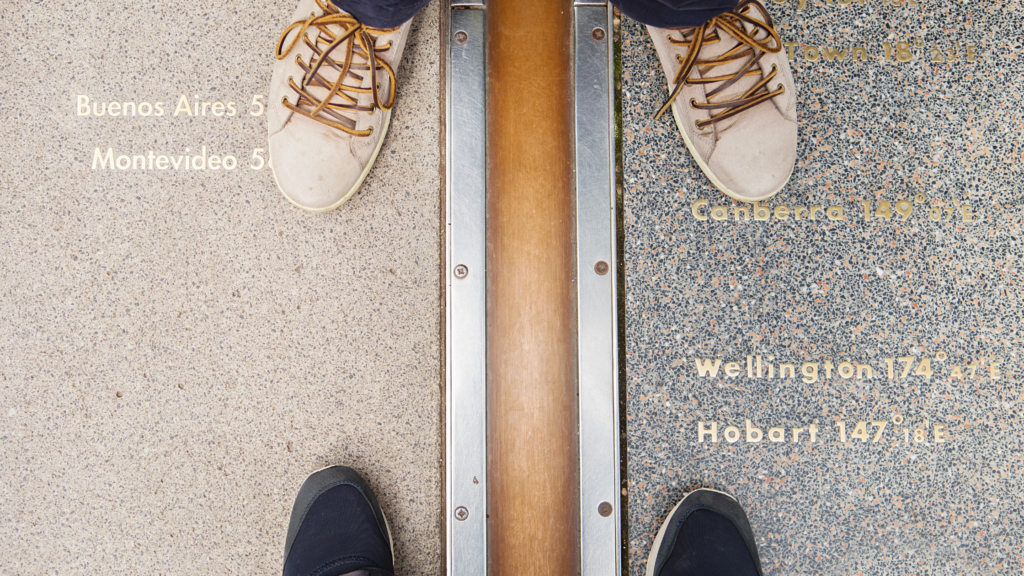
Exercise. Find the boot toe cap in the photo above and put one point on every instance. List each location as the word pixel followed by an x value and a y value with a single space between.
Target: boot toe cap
pixel 753 160
pixel 314 168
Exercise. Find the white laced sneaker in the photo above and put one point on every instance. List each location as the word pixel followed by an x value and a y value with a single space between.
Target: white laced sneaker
pixel 330 103
pixel 734 100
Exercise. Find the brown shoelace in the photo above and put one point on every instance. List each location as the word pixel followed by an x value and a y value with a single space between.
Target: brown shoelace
pixel 354 40
pixel 749 47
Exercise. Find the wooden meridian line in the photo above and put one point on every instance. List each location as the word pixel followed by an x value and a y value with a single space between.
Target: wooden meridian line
pixel 533 463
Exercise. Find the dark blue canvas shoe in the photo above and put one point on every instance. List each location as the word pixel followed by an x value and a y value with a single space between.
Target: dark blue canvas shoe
pixel 706 534
pixel 337 527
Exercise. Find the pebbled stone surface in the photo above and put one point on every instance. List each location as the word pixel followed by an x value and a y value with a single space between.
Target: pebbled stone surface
pixel 178 350
pixel 811 291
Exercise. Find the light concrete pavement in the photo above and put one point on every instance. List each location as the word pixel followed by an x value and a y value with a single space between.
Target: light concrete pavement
pixel 180 348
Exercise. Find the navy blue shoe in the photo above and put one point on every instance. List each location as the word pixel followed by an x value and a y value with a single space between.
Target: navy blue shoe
pixel 337 527
pixel 706 534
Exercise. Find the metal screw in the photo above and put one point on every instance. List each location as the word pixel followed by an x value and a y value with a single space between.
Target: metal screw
pixel 604 509
pixel 461 271
pixel 461 37
pixel 597 34
pixel 461 513
pixel 601 267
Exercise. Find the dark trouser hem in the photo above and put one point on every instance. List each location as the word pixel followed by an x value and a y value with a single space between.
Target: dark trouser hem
pixel 657 13
pixel 674 13
pixel 381 13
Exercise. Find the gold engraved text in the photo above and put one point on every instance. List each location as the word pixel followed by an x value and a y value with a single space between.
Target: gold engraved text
pixel 758 366
pixel 863 431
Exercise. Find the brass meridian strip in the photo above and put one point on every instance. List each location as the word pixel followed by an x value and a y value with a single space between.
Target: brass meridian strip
pixel 533 461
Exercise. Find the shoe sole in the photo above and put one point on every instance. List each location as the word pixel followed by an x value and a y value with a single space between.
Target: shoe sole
pixel 653 556
pixel 305 499
pixel 352 191
pixel 711 176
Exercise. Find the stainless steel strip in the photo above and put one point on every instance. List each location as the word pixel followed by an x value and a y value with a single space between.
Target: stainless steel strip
pixel 466 323
pixel 600 524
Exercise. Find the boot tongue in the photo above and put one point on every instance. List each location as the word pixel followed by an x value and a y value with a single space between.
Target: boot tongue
pixel 357 77
pixel 738 88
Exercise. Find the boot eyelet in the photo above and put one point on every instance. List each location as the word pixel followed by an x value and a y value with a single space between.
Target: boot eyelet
pixel 370 130
pixel 378 86
pixel 774 68
pixel 781 87
pixel 284 100
pixel 693 103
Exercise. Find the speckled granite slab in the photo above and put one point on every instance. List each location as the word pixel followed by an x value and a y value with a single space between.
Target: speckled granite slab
pixel 930 285
pixel 179 349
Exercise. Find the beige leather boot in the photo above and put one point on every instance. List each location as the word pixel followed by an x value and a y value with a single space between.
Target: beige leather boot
pixel 330 103
pixel 733 98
